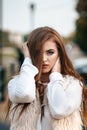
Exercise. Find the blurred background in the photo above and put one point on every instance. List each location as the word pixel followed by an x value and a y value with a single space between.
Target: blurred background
pixel 19 17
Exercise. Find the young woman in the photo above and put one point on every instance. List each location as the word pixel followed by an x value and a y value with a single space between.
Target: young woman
pixel 47 93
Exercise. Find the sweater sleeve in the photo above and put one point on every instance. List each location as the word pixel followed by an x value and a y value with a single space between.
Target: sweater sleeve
pixel 63 102
pixel 21 89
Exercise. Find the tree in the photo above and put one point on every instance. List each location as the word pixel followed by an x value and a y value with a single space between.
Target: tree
pixel 81 25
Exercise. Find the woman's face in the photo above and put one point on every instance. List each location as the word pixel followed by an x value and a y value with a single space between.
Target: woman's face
pixel 50 55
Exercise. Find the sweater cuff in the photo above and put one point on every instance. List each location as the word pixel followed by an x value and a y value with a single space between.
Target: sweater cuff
pixel 28 63
pixel 55 76
pixel 27 60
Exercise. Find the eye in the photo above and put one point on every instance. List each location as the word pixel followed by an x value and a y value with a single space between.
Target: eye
pixel 50 52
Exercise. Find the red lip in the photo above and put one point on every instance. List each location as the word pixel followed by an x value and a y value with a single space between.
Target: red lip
pixel 44 65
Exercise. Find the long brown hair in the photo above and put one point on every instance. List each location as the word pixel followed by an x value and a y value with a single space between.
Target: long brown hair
pixel 35 43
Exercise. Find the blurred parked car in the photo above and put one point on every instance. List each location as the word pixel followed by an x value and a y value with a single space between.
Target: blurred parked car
pixel 81 66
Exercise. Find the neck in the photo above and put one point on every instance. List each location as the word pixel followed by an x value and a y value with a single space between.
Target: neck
pixel 45 77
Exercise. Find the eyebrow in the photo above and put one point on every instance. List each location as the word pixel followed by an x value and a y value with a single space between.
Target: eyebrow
pixel 50 50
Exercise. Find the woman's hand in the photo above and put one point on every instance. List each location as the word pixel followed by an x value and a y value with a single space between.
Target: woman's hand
pixel 57 66
pixel 26 50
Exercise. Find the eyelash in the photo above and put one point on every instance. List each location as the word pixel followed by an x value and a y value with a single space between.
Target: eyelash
pixel 50 52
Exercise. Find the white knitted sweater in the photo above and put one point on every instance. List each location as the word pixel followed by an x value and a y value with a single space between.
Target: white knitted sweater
pixel 62 101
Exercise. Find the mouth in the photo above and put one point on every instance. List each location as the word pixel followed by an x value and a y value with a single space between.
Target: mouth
pixel 44 66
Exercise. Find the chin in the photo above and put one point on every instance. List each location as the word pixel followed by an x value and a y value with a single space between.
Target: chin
pixel 45 71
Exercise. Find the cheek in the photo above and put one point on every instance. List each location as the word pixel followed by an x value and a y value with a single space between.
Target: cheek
pixel 53 63
pixel 53 60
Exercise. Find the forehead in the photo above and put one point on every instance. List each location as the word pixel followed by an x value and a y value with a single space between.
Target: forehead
pixel 49 45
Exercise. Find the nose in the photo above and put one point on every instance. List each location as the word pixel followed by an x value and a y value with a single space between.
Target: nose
pixel 44 57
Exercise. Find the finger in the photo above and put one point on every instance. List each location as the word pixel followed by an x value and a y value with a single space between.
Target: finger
pixel 57 66
pixel 26 50
pixel 58 60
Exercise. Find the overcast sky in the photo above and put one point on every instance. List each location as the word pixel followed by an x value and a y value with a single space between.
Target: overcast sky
pixel 59 14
